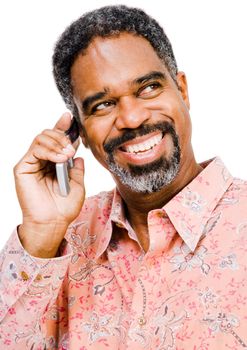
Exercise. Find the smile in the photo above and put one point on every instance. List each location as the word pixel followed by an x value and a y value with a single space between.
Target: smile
pixel 144 145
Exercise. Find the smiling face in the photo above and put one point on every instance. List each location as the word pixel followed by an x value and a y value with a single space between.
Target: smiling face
pixel 135 117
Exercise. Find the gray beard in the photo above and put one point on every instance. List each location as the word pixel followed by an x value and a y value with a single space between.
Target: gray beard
pixel 150 178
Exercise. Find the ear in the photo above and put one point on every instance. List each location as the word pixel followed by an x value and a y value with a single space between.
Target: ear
pixel 183 87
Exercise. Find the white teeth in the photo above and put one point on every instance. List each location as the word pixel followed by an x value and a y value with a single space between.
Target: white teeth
pixel 131 149
pixel 144 146
pixel 148 144
pixel 135 148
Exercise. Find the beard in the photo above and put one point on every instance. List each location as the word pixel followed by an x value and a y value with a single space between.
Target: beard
pixel 151 177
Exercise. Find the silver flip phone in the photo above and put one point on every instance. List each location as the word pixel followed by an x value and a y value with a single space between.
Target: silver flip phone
pixel 62 169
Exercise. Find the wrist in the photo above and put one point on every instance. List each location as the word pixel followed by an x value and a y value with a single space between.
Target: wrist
pixel 42 240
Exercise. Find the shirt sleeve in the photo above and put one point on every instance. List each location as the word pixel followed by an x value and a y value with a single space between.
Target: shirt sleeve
pixel 28 285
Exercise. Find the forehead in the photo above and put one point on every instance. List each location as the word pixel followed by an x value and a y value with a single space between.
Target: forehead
pixel 114 61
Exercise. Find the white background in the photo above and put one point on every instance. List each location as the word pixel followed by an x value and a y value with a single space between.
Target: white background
pixel 209 40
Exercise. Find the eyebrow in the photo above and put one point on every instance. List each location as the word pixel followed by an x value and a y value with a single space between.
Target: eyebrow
pixel 150 76
pixel 91 99
pixel 138 81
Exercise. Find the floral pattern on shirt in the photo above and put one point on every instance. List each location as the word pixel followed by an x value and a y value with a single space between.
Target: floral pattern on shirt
pixel 189 291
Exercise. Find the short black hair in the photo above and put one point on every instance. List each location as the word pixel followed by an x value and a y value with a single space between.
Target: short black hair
pixel 106 21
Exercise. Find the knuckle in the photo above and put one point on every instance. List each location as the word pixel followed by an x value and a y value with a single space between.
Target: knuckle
pixel 53 145
pixel 15 168
pixel 63 138
pixel 45 131
pixel 38 138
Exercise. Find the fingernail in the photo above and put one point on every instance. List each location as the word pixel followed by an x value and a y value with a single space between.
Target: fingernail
pixel 68 149
pixel 59 155
pixel 66 114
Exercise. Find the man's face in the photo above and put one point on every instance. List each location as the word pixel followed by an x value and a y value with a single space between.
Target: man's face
pixel 134 116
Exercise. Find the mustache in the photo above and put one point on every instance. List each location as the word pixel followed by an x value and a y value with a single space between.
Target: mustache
pixel 164 127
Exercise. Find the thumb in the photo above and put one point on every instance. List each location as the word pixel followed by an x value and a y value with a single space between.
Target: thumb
pixel 64 122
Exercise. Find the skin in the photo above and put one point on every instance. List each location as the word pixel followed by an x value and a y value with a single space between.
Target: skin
pixel 46 215
pixel 110 65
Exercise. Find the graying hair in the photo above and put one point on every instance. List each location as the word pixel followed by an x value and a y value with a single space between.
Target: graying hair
pixel 149 181
pixel 105 22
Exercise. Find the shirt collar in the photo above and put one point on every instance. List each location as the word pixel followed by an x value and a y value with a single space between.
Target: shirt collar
pixel 189 211
pixel 117 217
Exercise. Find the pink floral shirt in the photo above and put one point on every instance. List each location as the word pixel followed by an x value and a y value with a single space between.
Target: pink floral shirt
pixel 189 291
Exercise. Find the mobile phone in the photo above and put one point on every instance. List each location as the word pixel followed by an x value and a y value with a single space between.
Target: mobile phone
pixel 62 169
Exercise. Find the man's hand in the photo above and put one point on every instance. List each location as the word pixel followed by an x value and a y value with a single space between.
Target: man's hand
pixel 46 214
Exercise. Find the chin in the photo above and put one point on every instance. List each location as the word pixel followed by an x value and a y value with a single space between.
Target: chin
pixel 150 178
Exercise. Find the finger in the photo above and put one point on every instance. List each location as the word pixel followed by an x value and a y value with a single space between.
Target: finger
pixel 64 122
pixel 41 153
pixel 55 142
pixel 44 148
pixel 37 160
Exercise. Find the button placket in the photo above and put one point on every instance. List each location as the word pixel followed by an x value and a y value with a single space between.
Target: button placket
pixel 142 320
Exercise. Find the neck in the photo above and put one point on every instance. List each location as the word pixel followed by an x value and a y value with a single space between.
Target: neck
pixel 138 205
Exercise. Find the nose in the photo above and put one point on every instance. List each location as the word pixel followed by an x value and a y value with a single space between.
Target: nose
pixel 131 113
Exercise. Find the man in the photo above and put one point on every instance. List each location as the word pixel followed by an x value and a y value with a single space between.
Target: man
pixel 158 263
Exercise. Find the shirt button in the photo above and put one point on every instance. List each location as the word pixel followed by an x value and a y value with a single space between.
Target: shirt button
pixel 24 276
pixel 142 321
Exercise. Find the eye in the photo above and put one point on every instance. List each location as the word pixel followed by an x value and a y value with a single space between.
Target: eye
pixel 102 106
pixel 150 90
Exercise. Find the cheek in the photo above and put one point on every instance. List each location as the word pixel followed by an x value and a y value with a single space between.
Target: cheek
pixel 185 123
pixel 184 132
pixel 169 106
pixel 161 105
pixel 179 113
pixel 96 133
